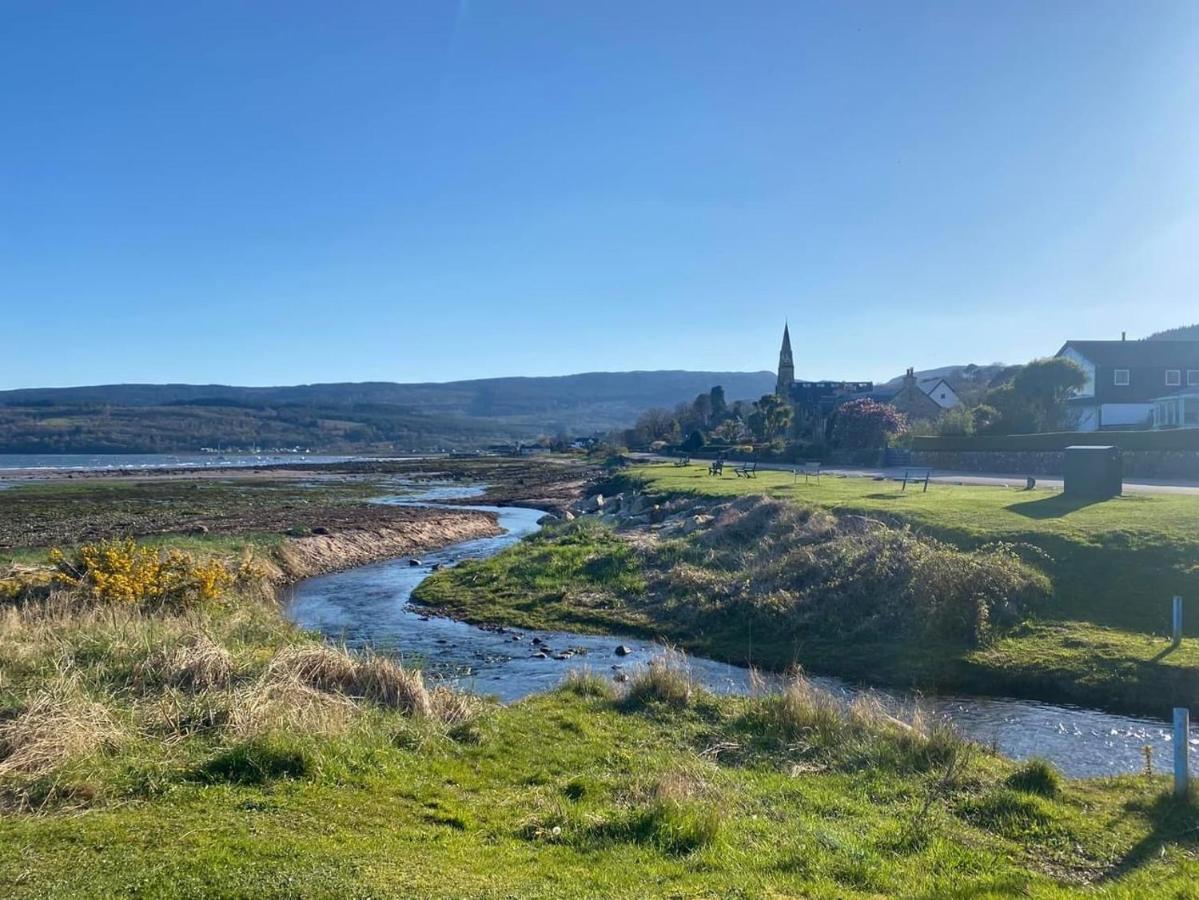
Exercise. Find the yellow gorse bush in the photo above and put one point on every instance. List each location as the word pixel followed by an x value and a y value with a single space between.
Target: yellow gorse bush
pixel 123 571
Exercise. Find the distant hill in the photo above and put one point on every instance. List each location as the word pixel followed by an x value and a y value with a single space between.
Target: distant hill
pixel 382 415
pixel 1184 333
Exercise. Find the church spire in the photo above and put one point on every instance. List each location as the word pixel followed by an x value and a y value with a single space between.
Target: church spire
pixel 786 365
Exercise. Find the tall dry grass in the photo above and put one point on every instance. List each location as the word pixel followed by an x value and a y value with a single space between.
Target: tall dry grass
pixel 57 723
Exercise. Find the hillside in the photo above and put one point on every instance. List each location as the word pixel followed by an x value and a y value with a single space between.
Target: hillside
pixel 1183 333
pixel 383 415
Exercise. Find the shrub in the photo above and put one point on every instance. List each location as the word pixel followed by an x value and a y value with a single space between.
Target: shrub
pixel 123 571
pixel 867 425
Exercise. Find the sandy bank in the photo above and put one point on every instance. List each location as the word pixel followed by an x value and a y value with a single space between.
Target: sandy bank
pixel 318 554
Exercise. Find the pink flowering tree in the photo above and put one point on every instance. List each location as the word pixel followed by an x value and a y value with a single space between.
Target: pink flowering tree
pixel 867 425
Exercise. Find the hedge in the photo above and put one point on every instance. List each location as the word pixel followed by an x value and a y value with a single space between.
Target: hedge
pixel 1177 439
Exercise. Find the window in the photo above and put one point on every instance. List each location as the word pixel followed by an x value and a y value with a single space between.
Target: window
pixel 1123 377
pixel 1173 377
pixel 1193 377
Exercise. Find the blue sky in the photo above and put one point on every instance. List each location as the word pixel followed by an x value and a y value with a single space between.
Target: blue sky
pixel 270 193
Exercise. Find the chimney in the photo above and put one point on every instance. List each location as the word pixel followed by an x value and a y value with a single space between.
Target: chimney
pixel 1123 336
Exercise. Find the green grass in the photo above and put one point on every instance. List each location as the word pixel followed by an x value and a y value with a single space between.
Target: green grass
pixel 1098 640
pixel 1116 563
pixel 272 770
pixel 569 796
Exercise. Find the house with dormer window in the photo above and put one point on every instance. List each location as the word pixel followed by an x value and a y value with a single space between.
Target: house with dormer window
pixel 1135 384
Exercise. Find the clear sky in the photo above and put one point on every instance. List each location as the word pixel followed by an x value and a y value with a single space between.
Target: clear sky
pixel 285 192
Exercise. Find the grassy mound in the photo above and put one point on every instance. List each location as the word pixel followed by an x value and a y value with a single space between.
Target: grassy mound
pixel 767 583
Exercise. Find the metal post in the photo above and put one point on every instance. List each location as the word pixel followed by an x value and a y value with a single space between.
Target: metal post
pixel 1177 620
pixel 1182 732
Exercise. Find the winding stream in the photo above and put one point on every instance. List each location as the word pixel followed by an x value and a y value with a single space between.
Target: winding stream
pixel 369 606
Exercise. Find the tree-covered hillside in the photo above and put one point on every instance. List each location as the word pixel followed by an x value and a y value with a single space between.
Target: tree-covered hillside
pixel 455 415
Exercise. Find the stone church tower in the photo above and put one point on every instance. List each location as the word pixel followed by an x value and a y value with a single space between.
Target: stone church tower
pixel 786 366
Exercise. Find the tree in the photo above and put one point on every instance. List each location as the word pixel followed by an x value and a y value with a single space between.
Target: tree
pixel 654 425
pixel 701 410
pixel 1034 397
pixel 718 405
pixel 695 441
pixel 1046 385
pixel 732 431
pixel 867 425
pixel 771 418
pixel 956 422
pixel 985 418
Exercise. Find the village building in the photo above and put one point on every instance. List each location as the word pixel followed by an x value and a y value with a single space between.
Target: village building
pixel 919 398
pixel 815 402
pixel 1135 384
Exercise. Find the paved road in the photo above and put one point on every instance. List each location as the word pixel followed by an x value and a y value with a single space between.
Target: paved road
pixel 1139 486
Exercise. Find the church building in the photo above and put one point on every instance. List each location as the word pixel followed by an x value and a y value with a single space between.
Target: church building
pixel 814 402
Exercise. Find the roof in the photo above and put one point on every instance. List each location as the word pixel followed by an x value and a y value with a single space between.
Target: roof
pixel 1132 354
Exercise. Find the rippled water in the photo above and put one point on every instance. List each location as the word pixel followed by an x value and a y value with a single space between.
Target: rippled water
pixel 99 462
pixel 369 606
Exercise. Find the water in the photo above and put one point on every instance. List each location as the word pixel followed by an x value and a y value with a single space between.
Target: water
pixel 368 606
pixel 103 462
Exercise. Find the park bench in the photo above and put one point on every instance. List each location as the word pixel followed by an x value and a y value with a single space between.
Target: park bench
pixel 916 476
pixel 683 461
pixel 717 467
pixel 809 470
pixel 746 470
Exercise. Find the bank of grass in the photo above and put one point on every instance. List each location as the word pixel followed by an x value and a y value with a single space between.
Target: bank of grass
pixel 766 583
pixel 210 748
pixel 332 774
pixel 1114 564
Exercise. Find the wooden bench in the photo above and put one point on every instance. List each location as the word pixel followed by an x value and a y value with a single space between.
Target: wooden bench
pixel 916 476
pixel 746 470
pixel 809 470
pixel 683 461
pixel 717 467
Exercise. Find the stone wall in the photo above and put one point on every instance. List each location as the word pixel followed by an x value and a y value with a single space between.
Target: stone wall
pixel 1179 464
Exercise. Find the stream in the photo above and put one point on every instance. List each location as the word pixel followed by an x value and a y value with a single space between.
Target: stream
pixel 369 606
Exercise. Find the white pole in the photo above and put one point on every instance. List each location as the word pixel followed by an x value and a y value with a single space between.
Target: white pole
pixel 1182 731
pixel 1177 620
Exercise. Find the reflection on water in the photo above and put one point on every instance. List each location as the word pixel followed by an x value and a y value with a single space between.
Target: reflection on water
pixel 368 606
